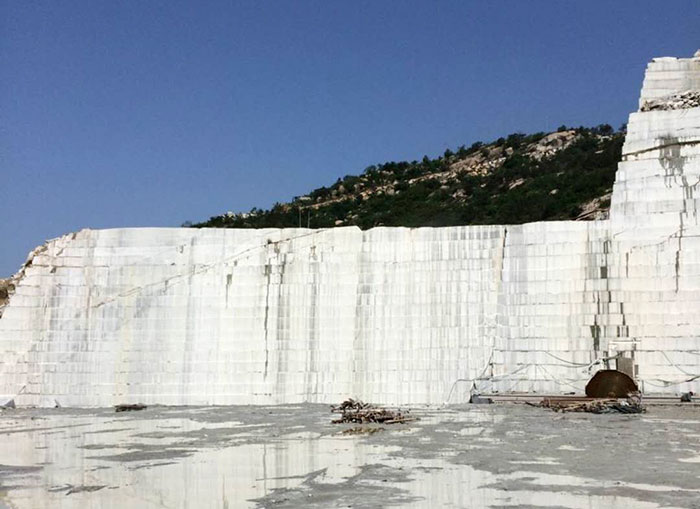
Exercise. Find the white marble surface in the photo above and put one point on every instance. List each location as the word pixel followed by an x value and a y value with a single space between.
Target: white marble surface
pixel 390 315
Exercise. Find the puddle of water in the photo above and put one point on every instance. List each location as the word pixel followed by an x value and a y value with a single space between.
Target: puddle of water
pixel 78 471
pixel 554 480
pixel 188 462
pixel 439 484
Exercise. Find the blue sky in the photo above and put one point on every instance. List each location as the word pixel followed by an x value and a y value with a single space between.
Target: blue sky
pixel 153 113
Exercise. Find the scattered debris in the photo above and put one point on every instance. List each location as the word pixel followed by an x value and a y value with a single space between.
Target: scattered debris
pixel 610 383
pixel 631 405
pixel 687 397
pixel 476 399
pixel 356 411
pixel 129 408
pixel 679 101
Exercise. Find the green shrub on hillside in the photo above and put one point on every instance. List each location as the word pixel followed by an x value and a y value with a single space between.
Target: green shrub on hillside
pixel 520 189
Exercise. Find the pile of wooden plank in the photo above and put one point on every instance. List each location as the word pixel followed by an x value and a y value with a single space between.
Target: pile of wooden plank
pixel 631 405
pixel 356 411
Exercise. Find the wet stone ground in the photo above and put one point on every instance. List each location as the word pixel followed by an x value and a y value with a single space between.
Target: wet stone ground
pixel 478 456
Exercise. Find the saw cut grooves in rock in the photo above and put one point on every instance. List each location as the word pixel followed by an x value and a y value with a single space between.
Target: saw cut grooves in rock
pixel 388 315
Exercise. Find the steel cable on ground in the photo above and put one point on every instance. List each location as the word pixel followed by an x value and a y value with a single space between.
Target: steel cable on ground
pixel 566 363
pixel 488 379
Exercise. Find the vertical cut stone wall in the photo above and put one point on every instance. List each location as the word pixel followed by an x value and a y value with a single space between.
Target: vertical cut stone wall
pixel 655 232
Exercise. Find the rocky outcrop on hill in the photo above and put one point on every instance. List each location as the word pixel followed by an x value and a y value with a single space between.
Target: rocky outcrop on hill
pixel 8 285
pixel 682 100
pixel 6 288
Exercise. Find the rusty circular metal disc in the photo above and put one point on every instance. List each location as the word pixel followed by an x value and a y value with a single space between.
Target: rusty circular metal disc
pixel 610 383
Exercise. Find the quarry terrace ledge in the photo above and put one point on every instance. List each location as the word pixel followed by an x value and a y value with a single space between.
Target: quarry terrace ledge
pixel 389 315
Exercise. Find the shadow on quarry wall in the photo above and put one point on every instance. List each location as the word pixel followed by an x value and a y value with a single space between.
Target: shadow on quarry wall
pixel 670 159
pixel 673 164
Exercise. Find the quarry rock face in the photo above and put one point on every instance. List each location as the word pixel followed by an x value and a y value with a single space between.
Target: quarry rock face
pixel 388 315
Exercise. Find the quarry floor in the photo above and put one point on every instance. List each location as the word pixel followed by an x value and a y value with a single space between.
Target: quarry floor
pixel 501 455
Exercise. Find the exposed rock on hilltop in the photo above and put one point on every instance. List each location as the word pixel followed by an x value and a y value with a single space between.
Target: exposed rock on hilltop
pixel 6 288
pixel 566 174
pixel 680 101
pixel 8 285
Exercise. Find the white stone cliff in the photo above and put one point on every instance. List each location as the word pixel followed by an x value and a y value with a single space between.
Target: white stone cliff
pixel 390 315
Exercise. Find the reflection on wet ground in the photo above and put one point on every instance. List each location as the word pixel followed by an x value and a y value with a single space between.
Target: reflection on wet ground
pixel 292 456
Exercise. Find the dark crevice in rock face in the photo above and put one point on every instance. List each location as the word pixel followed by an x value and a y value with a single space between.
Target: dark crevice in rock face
pixel 283 320
pixel 268 270
pixel 312 367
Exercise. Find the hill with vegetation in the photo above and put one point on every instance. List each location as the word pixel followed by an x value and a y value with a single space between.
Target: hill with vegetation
pixel 567 174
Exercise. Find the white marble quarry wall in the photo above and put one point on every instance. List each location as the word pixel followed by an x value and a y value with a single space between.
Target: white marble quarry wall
pixel 669 75
pixel 555 314
pixel 392 315
pixel 183 316
pixel 655 231
pixel 389 315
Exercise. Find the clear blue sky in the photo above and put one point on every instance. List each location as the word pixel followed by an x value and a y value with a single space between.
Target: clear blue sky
pixel 145 113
